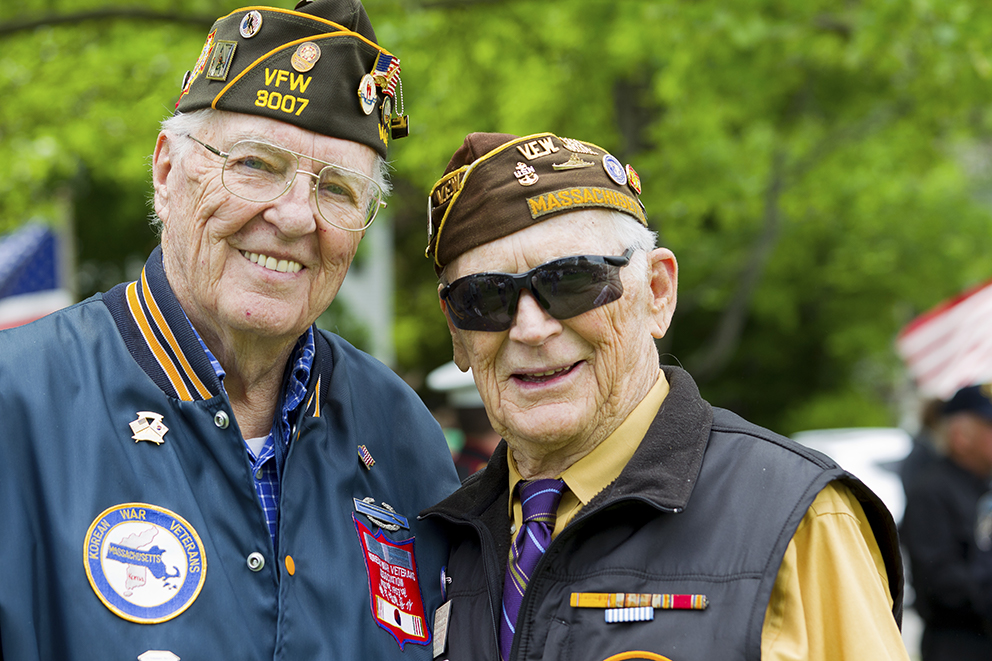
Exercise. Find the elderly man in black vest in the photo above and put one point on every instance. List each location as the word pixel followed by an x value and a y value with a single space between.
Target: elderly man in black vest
pixel 624 517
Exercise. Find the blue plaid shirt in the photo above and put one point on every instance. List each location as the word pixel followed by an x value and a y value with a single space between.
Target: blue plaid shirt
pixel 267 464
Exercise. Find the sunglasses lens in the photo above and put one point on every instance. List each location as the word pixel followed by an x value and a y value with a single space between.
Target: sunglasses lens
pixel 565 288
pixel 568 289
pixel 481 302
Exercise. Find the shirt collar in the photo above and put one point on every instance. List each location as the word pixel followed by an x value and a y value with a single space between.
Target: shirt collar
pixel 302 360
pixel 595 471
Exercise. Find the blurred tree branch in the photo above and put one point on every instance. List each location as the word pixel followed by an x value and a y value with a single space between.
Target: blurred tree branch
pixel 720 350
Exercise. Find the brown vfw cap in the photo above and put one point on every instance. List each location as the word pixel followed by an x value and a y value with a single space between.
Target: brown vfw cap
pixel 497 184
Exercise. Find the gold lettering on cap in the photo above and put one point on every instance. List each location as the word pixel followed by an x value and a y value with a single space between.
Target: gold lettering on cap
pixel 295 81
pixel 286 103
pixel 283 101
pixel 537 148
pixel 447 187
pixel 586 196
pixel 276 77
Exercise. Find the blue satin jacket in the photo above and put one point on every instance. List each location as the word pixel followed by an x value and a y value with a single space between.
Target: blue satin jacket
pixel 129 524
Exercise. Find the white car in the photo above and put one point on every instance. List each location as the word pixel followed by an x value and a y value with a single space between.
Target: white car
pixel 873 454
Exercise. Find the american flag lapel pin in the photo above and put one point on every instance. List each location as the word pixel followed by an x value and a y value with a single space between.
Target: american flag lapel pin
pixel 366 457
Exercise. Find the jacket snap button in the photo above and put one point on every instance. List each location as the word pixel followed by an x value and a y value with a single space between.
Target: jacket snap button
pixel 221 420
pixel 256 561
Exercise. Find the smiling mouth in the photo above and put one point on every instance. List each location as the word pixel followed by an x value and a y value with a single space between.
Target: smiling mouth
pixel 543 377
pixel 273 264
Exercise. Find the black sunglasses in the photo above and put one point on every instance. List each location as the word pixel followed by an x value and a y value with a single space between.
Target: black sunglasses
pixel 565 288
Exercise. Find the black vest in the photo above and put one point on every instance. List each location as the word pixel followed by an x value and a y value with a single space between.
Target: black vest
pixel 749 490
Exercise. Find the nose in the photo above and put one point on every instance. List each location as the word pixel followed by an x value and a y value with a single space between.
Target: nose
pixel 294 212
pixel 531 323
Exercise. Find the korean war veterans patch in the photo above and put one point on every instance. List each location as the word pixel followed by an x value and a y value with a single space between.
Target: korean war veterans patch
pixel 145 563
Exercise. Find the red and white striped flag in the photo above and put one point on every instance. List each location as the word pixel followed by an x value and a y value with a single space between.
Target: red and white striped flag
pixel 950 346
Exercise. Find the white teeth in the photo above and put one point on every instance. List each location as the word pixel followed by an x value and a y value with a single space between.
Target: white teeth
pixel 273 264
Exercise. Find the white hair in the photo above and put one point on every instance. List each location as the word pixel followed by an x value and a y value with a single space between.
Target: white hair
pixel 202 121
pixel 631 233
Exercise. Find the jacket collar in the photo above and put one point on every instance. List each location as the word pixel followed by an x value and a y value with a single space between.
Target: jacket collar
pixel 663 470
pixel 159 335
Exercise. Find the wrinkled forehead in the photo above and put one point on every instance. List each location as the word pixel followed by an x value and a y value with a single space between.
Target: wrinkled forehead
pixel 588 232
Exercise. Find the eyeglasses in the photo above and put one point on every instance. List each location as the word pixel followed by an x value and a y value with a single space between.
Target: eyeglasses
pixel 259 172
pixel 564 288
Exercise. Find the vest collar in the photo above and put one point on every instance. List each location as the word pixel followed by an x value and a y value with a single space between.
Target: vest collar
pixel 663 470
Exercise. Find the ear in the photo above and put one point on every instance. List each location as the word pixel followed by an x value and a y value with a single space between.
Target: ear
pixel 663 272
pixel 459 353
pixel 161 167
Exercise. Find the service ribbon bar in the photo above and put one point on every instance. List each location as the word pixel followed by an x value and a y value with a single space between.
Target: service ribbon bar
pixel 620 615
pixel 695 602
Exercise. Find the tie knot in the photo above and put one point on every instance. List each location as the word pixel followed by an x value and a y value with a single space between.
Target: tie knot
pixel 539 499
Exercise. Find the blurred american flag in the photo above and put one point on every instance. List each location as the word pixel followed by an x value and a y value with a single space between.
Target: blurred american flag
pixel 31 275
pixel 950 346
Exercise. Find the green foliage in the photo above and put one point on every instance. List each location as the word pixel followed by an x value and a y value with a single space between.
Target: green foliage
pixel 83 104
pixel 820 169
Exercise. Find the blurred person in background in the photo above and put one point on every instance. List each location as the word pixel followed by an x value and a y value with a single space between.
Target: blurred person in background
pixel 624 517
pixel 924 450
pixel 192 470
pixel 947 532
pixel 476 439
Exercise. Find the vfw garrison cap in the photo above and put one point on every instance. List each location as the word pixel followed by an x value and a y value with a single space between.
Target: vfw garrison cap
pixel 497 184
pixel 318 67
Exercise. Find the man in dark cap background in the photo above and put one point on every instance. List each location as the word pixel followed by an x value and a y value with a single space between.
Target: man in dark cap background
pixel 191 469
pixel 624 517
pixel 947 532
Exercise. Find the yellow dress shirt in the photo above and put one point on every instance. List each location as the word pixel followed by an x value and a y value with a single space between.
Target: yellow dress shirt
pixel 831 599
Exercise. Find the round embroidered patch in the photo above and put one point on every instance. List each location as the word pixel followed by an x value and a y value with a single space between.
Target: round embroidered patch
pixel 145 563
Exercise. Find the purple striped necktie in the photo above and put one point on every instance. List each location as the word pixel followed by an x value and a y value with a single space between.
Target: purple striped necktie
pixel 539 501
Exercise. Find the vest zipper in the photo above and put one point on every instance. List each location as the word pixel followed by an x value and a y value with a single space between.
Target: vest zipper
pixel 568 532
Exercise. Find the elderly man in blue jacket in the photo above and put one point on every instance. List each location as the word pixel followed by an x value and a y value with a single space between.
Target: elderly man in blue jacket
pixel 191 469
